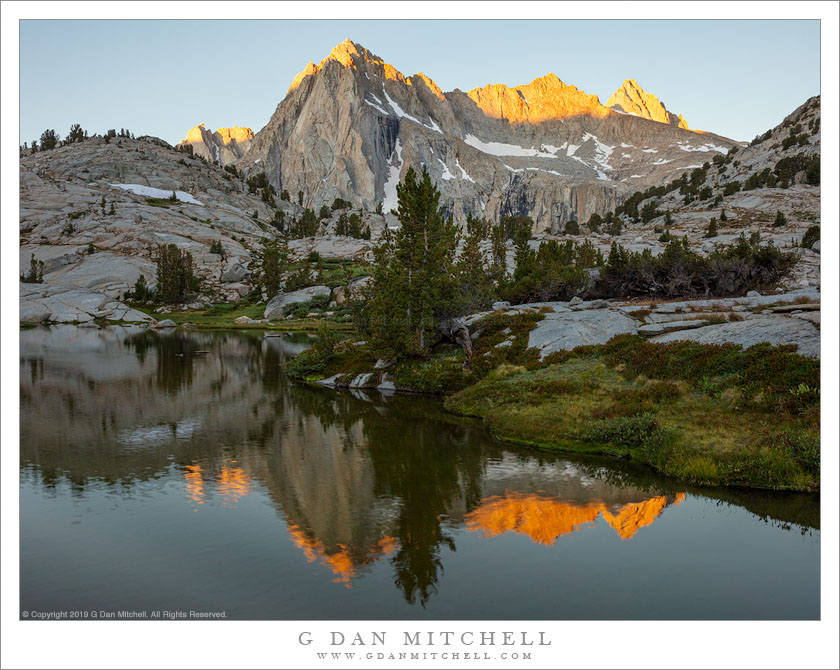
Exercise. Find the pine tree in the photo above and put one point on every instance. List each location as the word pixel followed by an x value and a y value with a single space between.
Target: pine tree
pixel 712 230
pixel 76 134
pixel 498 242
pixel 175 274
pixel 141 289
pixel 723 214
pixel 780 220
pixel 474 281
pixel 36 272
pixel 413 286
pixel 268 265
pixel 49 138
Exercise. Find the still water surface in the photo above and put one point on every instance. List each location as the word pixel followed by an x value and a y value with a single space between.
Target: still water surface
pixel 177 471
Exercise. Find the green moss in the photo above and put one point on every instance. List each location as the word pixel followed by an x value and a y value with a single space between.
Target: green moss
pixel 588 403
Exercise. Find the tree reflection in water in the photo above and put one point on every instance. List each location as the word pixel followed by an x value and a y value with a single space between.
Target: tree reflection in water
pixel 355 479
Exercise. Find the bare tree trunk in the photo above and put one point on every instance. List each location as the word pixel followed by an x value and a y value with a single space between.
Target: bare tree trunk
pixel 457 329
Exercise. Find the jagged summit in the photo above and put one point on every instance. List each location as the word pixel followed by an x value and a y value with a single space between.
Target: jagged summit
pixel 224 146
pixel 631 98
pixel 350 55
pixel 546 98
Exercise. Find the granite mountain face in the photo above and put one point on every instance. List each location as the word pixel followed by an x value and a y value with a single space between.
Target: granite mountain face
pixel 633 99
pixel 225 146
pixel 352 125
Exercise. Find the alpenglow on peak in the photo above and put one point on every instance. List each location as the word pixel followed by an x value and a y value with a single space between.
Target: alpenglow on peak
pixel 631 98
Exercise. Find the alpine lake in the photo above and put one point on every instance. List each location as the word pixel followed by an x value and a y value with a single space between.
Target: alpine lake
pixel 183 470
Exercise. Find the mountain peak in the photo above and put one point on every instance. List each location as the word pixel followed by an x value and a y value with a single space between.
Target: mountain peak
pixel 631 98
pixel 225 145
pixel 545 98
pixel 235 134
pixel 353 56
pixel 346 52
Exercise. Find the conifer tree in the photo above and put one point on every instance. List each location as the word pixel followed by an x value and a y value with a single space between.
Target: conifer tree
pixel 712 230
pixel 414 286
pixel 49 138
pixel 498 242
pixel 474 281
pixel 175 274
pixel 76 134
pixel 268 265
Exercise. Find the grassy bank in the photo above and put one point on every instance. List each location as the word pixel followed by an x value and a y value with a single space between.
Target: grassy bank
pixel 224 315
pixel 709 414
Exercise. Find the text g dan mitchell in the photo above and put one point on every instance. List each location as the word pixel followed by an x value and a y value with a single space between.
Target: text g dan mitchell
pixel 430 638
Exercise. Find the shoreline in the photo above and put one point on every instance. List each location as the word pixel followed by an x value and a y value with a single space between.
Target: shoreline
pixel 708 414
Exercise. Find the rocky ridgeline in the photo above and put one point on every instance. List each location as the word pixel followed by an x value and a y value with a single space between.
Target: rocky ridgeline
pixel 352 125
pixel 103 249
pixel 633 99
pixel 748 212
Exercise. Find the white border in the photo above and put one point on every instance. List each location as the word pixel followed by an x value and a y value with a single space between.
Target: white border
pixel 273 644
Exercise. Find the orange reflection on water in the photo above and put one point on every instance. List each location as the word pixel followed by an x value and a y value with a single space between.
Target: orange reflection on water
pixel 194 484
pixel 544 520
pixel 232 484
pixel 342 563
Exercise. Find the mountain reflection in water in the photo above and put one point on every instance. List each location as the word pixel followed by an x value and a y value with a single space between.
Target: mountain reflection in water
pixel 356 481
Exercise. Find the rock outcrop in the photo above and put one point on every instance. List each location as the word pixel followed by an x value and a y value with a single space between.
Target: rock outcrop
pixel 633 99
pixel 277 306
pixel 42 303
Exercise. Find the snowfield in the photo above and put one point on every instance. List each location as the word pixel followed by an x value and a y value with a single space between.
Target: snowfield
pixel 705 147
pixel 390 200
pixel 502 149
pixel 401 114
pixel 150 192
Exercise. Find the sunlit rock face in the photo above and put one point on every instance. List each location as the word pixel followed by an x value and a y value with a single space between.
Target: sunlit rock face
pixel 633 99
pixel 352 125
pixel 225 146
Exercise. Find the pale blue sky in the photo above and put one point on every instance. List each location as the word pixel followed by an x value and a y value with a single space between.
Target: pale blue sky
pixel 734 78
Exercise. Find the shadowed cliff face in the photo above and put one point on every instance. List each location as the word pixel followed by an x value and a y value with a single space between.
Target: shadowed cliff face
pixel 352 125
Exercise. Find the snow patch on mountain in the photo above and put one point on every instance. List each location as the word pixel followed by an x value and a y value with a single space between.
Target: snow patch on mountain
pixel 502 149
pixel 464 174
pixel 150 192
pixel 390 197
